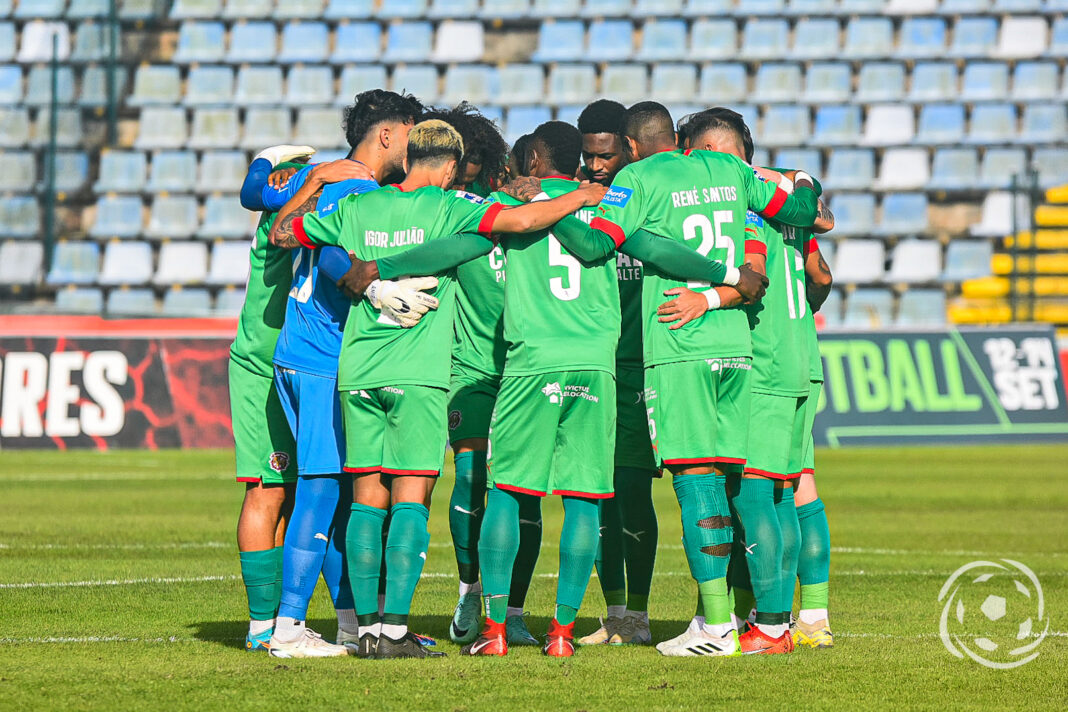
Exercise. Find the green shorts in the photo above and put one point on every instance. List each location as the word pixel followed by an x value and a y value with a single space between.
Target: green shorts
pixel 264 449
pixel 554 433
pixel 808 458
pixel 777 436
pixel 395 430
pixel 633 446
pixel 471 398
pixel 699 411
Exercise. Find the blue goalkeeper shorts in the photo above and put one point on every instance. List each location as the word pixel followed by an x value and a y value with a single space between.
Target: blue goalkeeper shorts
pixel 313 410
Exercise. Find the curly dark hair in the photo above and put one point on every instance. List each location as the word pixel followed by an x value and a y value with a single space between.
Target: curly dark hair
pixel 602 116
pixel 562 145
pixel 483 143
pixel 520 154
pixel 377 106
pixel 718 118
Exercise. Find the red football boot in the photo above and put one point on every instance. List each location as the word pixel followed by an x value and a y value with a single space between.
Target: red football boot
pixel 755 641
pixel 560 641
pixel 493 640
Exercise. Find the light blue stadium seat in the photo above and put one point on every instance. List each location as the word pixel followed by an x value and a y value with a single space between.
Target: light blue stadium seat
pixel 607 8
pixel 69 129
pixel 20 172
pixel 196 9
pixel 39 86
pixel 806 159
pixel 571 83
pixel 626 83
pixel 1044 123
pixel 869 37
pixel 993 123
pixel 763 7
pixel 854 213
pixel 922 37
pixel 611 40
pixel 182 263
pixel 1056 5
pixel 86 9
pixel 1014 6
pixel 221 171
pixel 880 81
pixel 524 119
pixel 941 124
pixel 663 39
pixel 310 84
pixel 860 7
pixel 229 263
pixel 850 169
pixel 356 78
pixel 785 125
pixel 20 216
pixel 21 263
pixel 724 82
pixel 214 128
pixel 133 10
pixel 708 8
pixel 984 81
pixel 74 263
pixel 816 38
pixel 418 79
pixel 521 84
pixel 186 302
pixel 837 125
pixel 200 42
pixel 811 7
pixel 348 9
pixel 229 302
pixel 828 82
pixel 470 82
pixel 967 259
pixel 954 169
pixel 131 302
pixel 1000 165
pixel 92 43
pixel 14 126
pixel 921 307
pixel 903 214
pixel 253 42
pixel 831 311
pixel 318 126
pixel 10 84
pixel 869 307
pixel 304 42
pixel 408 42
pixel 964 7
pixel 7 41
pixel 245 9
pixel 117 216
pixel 934 81
pixel 209 85
pixel 556 8
pixel 94 85
pixel 560 41
pixel 505 9
pixel 776 82
pixel 1058 41
pixel 915 261
pixel 265 126
pixel 122 172
pixel 765 38
pixel 713 40
pixel 259 85
pixel 674 83
pixel 39 9
pixel 357 42
pixel 299 10
pixel 72 171
pixel 1052 166
pixel 974 37
pixel 1034 80
pixel 224 218
pixel 460 9
pixel 172 172
pixel 658 8
pixel 80 300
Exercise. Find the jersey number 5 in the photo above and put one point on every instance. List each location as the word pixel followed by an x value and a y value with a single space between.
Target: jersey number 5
pixel 559 258
pixel 711 237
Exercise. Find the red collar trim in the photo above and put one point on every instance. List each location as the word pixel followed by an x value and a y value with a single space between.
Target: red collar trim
pixel 398 187
pixel 687 152
pixel 561 177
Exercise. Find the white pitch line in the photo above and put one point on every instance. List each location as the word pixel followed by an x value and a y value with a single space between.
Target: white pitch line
pixel 119 547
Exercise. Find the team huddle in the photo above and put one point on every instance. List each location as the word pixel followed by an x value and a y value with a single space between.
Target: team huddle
pixel 574 315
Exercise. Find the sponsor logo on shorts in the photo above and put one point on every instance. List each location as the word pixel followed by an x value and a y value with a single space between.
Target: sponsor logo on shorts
pixel 553 392
pixel 556 394
pixel 717 364
pixel 617 196
pixel 650 394
pixel 455 418
pixel 393 389
pixel 278 461
pixel 361 394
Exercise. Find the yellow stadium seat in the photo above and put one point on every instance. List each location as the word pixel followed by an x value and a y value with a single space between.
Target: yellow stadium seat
pixel 1057 195
pixel 1043 240
pixel 1001 264
pixel 1052 215
pixel 993 287
pixel 979 311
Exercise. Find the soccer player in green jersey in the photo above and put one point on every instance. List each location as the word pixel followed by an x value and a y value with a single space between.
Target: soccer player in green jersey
pixel 394 381
pixel 628 521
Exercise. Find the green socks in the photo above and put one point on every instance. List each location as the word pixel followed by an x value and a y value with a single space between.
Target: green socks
pixel 578 549
pixel 758 538
pixel 405 555
pixel 609 561
pixel 498 544
pixel 634 492
pixel 715 602
pixel 529 548
pixel 363 551
pixel 814 559
pixel 706 539
pixel 466 508
pixel 260 572
pixel 791 546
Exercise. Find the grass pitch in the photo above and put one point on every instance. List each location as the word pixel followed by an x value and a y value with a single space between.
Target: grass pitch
pixel 119 589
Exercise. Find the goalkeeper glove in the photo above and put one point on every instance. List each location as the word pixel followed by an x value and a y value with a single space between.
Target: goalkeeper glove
pixel 403 301
pixel 283 153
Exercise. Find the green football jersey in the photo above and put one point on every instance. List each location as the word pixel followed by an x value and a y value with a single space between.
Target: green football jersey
pixel 376 351
pixel 479 324
pixel 560 314
pixel 629 273
pixel 270 274
pixel 780 340
pixel 700 199
pixel 815 361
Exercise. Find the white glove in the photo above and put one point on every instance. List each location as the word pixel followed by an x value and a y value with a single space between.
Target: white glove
pixel 403 301
pixel 283 153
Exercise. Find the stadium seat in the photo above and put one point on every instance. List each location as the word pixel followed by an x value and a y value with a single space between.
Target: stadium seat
pixel 967 259
pixel 72 171
pixel 92 43
pixel 358 78
pixel 74 263
pixel 859 261
pixel 708 8
pixel 319 127
pixel 657 8
pixel 117 216
pixel 259 85
pixel 196 9
pixel 837 126
pixel 186 302
pixel 348 9
pixel 921 307
pixel 889 125
pixel 131 302
pixel 10 84
pixel 831 311
pixel 903 169
pixel 1058 45
pixel 974 37
pixel 299 10
pixel 713 40
pixel 915 261
pixel 785 125
pixel 869 38
pixel 39 86
pixel 172 171
pixel 828 83
pixel 248 9
pixel 850 169
pixel 20 216
pixel 674 83
pixel 724 82
pixel 1022 37
pixel 20 172
pixel 310 84
pixel 1014 6
pixel 80 300
pixel 214 128
pixel 172 216
pixel 40 39
pixel 1052 166
pixel 993 123
pixel 954 169
pixel 229 302
pixel 811 7
pixel 627 83
pixel 776 82
pixel 816 38
pixel 663 39
pixel 229 263
pixel 806 159
pixel 221 171
pixel 94 85
pixel 1043 123
pixel 1034 80
pixel 984 81
pixel 69 130
pixel 868 308
pixel 903 214
pixel 854 213
pixel 182 263
pixel 252 42
pixel 304 42
pixel 964 7
pixel 922 37
pixel 200 42
pixel 453 8
pixel 571 83
pixel 1000 165
pixel 458 42
pixel 14 127
pixel 126 262
pixel 941 124
pixel 611 40
pixel 934 81
pixel 997 210
pixel 405 9
pixel 21 263
pixel 880 81
pixel 523 120
pixel 765 38
pixel 910 7
pixel 470 82
pixel 555 8
pixel 122 172
pixel 136 10
pixel 209 86
pixel 357 42
pixel 418 79
pixel 764 7
pixel 225 218
pixel 521 84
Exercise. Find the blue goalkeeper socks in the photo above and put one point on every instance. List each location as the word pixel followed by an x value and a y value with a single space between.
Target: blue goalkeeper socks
pixel 335 568
pixel 307 539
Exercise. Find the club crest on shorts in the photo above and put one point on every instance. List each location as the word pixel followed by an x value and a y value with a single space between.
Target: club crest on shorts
pixel 278 461
pixel 455 418
pixel 554 393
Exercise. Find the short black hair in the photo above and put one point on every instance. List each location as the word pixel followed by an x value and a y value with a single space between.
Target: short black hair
pixel 561 144
pixel 377 106
pixel 483 143
pixel 718 118
pixel 602 116
pixel 521 151
pixel 648 121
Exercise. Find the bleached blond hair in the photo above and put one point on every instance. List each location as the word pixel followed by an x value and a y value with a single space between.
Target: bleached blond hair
pixel 434 141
